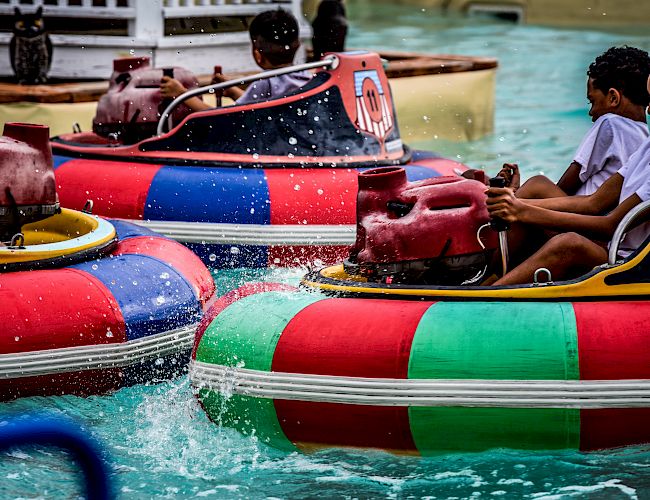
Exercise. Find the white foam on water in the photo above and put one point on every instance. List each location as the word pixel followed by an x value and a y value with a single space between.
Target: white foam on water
pixel 578 491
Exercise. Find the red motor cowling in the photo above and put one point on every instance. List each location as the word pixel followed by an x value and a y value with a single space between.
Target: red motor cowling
pixel 130 110
pixel 434 231
pixel 27 186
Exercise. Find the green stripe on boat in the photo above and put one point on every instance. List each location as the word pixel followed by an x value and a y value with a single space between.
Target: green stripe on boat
pixel 246 334
pixel 517 341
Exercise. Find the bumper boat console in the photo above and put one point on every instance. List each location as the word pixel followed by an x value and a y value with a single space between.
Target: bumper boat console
pixel 129 111
pixel 27 187
pixel 434 231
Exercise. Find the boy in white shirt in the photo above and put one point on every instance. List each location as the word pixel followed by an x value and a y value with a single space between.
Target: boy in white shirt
pixel 572 253
pixel 616 90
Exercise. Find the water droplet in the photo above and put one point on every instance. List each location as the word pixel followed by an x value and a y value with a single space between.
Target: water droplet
pixel 16 338
pixel 94 267
pixel 164 276
pixel 296 187
pixel 212 257
pixel 160 300
pixel 255 156
pixel 135 283
pixel 109 334
pixel 320 191
pixel 234 250
pixel 293 140
pixel 252 211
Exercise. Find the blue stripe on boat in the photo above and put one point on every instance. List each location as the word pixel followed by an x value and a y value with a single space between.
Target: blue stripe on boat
pixel 419 172
pixel 414 172
pixel 419 154
pixel 221 195
pixel 59 160
pixel 126 230
pixel 231 256
pixel 153 297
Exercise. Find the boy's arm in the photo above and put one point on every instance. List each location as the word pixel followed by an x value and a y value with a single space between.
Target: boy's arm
pixel 570 181
pixel 600 227
pixel 171 88
pixel 233 92
pixel 604 199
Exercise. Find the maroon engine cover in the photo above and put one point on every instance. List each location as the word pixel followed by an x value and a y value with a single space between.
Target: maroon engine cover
pixel 130 110
pixel 27 186
pixel 430 221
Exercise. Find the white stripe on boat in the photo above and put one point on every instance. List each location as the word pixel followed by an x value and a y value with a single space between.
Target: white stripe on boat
pixel 422 392
pixel 253 234
pixel 93 357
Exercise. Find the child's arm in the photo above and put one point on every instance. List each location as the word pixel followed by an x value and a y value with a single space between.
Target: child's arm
pixel 172 88
pixel 570 181
pixel 233 92
pixel 600 227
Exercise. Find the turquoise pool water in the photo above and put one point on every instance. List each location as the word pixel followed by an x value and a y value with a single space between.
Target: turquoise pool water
pixel 161 444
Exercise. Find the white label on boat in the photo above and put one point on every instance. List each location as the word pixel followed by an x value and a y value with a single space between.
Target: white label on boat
pixel 393 146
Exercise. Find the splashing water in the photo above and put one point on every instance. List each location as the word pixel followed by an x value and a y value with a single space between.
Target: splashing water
pixel 162 444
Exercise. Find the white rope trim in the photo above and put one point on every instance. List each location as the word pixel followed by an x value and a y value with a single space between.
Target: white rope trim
pixel 423 392
pixel 93 357
pixel 253 234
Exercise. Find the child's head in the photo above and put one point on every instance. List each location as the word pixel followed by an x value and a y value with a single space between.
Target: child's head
pixel 618 81
pixel 274 35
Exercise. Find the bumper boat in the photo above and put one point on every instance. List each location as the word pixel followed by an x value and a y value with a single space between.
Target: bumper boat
pixel 270 183
pixel 88 305
pixel 402 348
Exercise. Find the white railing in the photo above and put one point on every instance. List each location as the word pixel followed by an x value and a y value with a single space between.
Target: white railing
pixel 102 9
pixel 89 54
pixel 147 17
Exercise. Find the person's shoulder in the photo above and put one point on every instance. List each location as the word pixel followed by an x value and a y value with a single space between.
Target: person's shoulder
pixel 617 121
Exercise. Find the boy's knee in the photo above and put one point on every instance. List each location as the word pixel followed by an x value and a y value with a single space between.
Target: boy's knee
pixel 534 186
pixel 565 244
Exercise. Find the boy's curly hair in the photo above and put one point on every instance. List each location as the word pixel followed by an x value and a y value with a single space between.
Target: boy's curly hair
pixel 625 69
pixel 275 34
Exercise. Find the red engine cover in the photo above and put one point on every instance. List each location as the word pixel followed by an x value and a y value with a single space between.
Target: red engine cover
pixel 27 186
pixel 131 107
pixel 401 221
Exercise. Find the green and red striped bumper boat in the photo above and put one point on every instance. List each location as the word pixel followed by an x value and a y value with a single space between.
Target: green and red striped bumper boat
pixel 303 370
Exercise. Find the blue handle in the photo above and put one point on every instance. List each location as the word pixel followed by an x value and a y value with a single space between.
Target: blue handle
pixel 61 433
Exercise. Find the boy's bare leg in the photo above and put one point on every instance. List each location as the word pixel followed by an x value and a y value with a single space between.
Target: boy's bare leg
pixel 566 255
pixel 538 187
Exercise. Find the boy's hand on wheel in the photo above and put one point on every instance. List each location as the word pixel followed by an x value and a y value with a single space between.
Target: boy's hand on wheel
pixel 171 88
pixel 510 172
pixel 503 204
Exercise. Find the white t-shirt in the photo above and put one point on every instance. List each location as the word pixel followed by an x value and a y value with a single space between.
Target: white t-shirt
pixel 606 148
pixel 636 180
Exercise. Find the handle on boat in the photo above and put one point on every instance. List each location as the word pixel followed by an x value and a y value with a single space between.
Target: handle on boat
pixel 639 212
pixel 65 434
pixel 496 223
pixel 218 93
pixel 328 62
pixel 501 227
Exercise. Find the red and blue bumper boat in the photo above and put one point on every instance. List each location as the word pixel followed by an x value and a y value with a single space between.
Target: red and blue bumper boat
pixel 88 305
pixel 269 183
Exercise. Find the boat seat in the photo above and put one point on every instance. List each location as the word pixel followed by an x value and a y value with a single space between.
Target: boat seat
pixel 635 217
